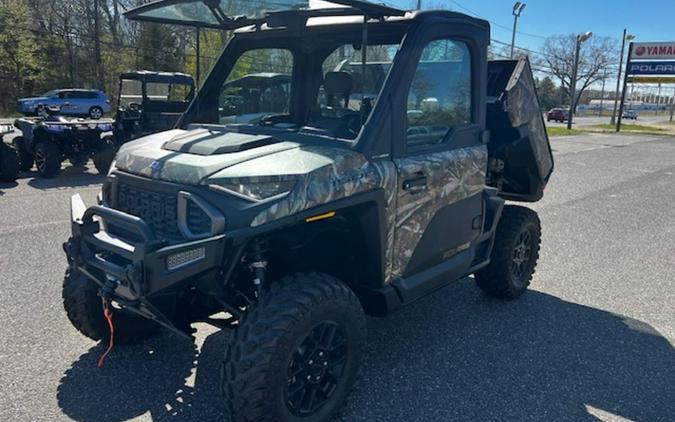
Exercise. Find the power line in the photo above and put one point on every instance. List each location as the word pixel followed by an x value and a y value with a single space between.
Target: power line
pixel 495 23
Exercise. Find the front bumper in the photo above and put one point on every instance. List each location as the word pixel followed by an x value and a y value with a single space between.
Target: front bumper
pixel 133 271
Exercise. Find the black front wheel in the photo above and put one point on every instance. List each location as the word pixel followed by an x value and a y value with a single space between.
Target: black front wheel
pixel 25 157
pixel 106 154
pixel 84 308
pixel 514 255
pixel 47 159
pixel 9 163
pixel 295 354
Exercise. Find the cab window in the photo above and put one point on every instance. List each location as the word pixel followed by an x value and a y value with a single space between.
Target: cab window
pixel 439 96
pixel 350 89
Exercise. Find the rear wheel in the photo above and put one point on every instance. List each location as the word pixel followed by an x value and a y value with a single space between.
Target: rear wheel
pixel 25 157
pixel 84 308
pixel 47 159
pixel 9 163
pixel 96 112
pixel 105 156
pixel 295 354
pixel 514 255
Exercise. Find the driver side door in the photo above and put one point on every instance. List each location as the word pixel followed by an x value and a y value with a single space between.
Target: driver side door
pixel 441 169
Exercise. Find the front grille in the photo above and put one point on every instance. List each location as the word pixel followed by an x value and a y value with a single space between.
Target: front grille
pixel 157 209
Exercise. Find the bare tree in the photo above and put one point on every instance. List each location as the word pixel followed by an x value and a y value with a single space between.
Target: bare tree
pixel 595 56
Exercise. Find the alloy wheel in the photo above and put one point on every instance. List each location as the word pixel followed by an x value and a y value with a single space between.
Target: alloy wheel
pixel 315 369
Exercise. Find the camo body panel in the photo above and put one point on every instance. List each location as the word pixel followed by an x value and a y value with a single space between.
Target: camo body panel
pixel 451 177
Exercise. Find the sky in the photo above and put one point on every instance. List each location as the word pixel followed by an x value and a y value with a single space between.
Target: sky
pixel 648 20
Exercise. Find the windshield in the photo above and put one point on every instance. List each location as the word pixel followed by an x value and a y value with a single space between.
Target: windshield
pixel 258 86
pixel 131 91
pixel 50 93
pixel 324 93
pixel 161 91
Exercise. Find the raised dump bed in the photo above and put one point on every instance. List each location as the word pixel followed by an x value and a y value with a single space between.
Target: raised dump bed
pixel 521 161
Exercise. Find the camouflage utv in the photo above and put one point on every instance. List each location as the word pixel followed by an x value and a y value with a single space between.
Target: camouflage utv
pixel 374 173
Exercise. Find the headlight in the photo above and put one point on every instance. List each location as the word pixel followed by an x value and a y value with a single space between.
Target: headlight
pixel 256 190
pixel 113 167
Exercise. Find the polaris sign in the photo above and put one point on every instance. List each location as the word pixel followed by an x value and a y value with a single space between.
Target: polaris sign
pixel 652 68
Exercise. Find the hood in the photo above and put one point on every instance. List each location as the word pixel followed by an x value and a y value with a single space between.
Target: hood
pixel 190 156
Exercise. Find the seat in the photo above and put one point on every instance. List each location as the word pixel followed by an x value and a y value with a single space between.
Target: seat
pixel 337 86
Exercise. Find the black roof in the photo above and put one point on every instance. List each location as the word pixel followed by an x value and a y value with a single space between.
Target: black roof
pixel 229 14
pixel 159 77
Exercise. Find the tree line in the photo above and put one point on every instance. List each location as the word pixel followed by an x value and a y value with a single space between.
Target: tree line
pixel 49 44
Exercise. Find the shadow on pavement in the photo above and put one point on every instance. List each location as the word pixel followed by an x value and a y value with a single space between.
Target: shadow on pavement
pixel 7 185
pixel 152 377
pixel 456 355
pixel 69 176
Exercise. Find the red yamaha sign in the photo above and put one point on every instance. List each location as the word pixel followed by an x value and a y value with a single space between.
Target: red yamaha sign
pixel 653 50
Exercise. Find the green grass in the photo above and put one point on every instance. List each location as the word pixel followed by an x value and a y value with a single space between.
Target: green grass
pixel 561 131
pixel 629 128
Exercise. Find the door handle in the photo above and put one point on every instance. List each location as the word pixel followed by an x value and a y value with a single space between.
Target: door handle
pixel 416 184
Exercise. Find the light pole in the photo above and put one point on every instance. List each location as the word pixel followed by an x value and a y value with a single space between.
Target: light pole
pixel 581 38
pixel 602 94
pixel 517 10
pixel 626 37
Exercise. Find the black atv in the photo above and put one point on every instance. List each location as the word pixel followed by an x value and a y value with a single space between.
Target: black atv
pixel 293 209
pixel 49 139
pixel 9 159
pixel 150 102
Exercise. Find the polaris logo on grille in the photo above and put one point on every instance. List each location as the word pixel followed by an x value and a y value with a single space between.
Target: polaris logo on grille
pixel 155 168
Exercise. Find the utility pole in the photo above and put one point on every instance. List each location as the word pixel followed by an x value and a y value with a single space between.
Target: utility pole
pixel 517 10
pixel 658 99
pixel 623 91
pixel 624 38
pixel 198 59
pixel 581 38
pixel 100 83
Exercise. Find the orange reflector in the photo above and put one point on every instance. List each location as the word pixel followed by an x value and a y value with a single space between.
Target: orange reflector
pixel 320 217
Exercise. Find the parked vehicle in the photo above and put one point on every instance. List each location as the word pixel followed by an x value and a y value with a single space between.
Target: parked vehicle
pixel 630 114
pixel 150 102
pixel 9 159
pixel 48 141
pixel 71 102
pixel 324 209
pixel 558 114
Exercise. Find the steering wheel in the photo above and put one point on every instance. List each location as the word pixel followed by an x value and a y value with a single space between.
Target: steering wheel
pixel 134 106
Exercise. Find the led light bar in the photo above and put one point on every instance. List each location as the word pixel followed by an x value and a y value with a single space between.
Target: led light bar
pixel 184 258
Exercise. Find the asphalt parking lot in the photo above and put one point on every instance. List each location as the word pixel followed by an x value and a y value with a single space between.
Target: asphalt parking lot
pixel 592 340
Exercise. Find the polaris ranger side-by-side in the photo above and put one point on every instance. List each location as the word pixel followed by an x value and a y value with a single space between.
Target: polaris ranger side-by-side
pixel 149 102
pixel 351 192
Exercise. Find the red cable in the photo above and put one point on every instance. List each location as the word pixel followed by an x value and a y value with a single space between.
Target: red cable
pixel 107 313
